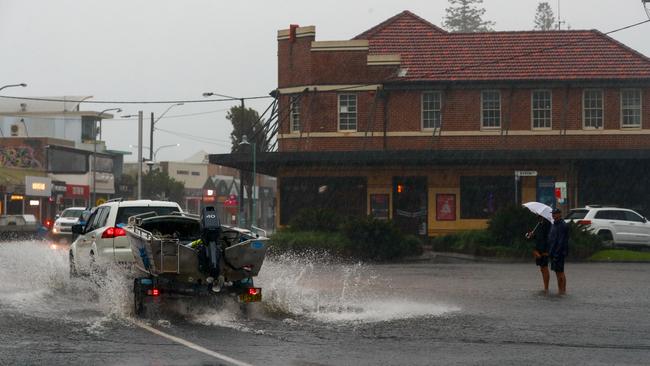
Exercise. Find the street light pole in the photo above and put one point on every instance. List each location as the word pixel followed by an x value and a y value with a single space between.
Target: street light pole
pixel 13 85
pixel 94 192
pixel 153 127
pixel 244 141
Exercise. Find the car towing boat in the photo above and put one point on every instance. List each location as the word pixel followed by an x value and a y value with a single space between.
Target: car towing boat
pixel 183 255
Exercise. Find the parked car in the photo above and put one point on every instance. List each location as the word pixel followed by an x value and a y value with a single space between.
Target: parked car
pixel 18 227
pixel 102 240
pixel 62 227
pixel 616 226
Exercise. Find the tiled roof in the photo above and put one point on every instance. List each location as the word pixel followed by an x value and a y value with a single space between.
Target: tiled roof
pixel 434 55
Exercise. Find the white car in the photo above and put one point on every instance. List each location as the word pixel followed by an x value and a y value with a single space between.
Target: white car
pixel 616 226
pixel 103 240
pixel 63 224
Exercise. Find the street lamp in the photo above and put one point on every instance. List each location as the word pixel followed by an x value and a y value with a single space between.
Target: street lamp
pixel 153 124
pixel 155 153
pixel 13 85
pixel 99 116
pixel 244 141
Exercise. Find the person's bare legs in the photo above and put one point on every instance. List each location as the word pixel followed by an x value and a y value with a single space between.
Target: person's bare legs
pixel 545 277
pixel 561 283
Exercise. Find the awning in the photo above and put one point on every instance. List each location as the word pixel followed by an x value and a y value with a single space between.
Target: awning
pixel 269 163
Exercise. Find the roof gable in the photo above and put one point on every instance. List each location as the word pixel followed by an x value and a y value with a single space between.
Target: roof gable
pixel 399 25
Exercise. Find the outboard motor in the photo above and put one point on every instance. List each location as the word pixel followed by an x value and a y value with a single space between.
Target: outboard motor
pixel 210 231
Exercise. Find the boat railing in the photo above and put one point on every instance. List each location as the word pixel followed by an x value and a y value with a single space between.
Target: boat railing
pixel 169 249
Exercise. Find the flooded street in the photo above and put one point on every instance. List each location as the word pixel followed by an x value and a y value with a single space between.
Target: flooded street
pixel 316 312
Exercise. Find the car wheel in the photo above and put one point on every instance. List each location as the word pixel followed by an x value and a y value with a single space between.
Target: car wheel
pixel 606 237
pixel 138 298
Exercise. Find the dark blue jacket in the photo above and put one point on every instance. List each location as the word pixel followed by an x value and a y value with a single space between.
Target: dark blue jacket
pixel 558 239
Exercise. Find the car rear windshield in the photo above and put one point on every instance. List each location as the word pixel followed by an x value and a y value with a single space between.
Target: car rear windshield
pixel 72 213
pixel 123 213
pixel 577 214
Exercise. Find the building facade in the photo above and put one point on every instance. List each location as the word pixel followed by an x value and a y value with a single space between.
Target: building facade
pixel 438 130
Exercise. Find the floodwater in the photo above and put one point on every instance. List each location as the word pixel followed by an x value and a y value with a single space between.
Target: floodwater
pixel 320 312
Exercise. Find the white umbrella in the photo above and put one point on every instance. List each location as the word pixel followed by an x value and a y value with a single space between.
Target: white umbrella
pixel 540 209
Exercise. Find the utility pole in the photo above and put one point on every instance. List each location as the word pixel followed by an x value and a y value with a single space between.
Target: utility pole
pixel 140 155
pixel 151 141
pixel 241 178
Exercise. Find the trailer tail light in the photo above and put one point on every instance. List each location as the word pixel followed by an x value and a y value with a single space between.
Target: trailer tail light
pixel 113 232
pixel 584 222
pixel 253 291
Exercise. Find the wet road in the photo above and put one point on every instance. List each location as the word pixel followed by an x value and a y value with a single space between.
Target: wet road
pixel 332 314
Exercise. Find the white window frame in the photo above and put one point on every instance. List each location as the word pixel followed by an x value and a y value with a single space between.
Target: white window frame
pixel 532 109
pixel 584 109
pixel 640 108
pixel 483 126
pixel 436 124
pixel 356 112
pixel 294 114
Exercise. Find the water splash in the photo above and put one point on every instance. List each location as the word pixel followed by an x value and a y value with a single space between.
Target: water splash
pixel 319 288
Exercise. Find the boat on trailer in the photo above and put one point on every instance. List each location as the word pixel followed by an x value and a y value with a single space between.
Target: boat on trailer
pixel 184 255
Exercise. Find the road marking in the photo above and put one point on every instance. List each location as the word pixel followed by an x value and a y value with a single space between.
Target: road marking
pixel 191 345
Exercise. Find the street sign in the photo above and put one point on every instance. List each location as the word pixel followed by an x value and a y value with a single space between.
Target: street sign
pixel 525 173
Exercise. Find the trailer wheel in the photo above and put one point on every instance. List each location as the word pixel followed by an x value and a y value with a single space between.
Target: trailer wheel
pixel 138 298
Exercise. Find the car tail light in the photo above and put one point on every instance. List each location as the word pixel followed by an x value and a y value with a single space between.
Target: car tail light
pixel 153 292
pixel 113 232
pixel 253 291
pixel 584 222
pixel 48 224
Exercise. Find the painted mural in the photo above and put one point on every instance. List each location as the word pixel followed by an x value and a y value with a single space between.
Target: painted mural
pixel 19 157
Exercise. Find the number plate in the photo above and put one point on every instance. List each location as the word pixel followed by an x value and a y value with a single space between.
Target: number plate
pixel 251 298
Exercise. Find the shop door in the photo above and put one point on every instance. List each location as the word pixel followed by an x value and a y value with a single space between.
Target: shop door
pixel 410 204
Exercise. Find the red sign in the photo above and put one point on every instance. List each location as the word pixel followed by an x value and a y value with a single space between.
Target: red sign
pixel 446 207
pixel 76 191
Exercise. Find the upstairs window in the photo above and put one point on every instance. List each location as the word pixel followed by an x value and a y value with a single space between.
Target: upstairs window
pixel 182 172
pixel 630 108
pixel 294 114
pixel 347 112
pixel 592 108
pixel 491 109
pixel 431 102
pixel 541 109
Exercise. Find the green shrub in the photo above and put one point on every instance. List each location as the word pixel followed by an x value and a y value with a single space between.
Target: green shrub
pixel 509 225
pixel 302 241
pixel 316 219
pixel 379 240
pixel 582 242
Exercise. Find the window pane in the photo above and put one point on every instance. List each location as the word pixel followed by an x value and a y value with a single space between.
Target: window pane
pixel 295 114
pixel 347 112
pixel 491 108
pixel 431 102
pixel 593 108
pixel 631 107
pixel 541 107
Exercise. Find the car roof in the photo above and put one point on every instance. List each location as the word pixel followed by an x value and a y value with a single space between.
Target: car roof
pixel 141 203
pixel 74 208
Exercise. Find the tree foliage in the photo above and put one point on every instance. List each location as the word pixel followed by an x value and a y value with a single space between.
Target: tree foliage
pixel 157 185
pixel 466 16
pixel 247 122
pixel 544 17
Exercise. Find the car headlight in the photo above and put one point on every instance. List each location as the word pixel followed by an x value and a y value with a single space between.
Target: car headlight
pixel 55 230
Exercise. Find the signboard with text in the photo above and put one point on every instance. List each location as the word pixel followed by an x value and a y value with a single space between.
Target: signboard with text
pixel 38 186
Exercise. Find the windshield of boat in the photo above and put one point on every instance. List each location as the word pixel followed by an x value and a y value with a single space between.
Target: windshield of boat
pixel 74 213
pixel 123 213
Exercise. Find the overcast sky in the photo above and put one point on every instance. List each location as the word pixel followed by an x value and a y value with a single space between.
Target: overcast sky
pixel 146 50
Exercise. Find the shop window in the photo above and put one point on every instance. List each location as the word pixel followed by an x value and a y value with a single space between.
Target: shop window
pixel 592 108
pixel 431 117
pixel 347 112
pixel 482 196
pixel 541 108
pixel 631 108
pixel 491 109
pixel 344 195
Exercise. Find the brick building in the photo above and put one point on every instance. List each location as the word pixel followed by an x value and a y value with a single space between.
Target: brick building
pixel 429 128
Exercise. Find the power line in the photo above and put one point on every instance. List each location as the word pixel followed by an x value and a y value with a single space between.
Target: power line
pixel 137 102
pixel 107 119
pixel 178 115
pixel 188 136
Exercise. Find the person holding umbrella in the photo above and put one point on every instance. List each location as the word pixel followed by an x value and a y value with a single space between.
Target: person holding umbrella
pixel 540 235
